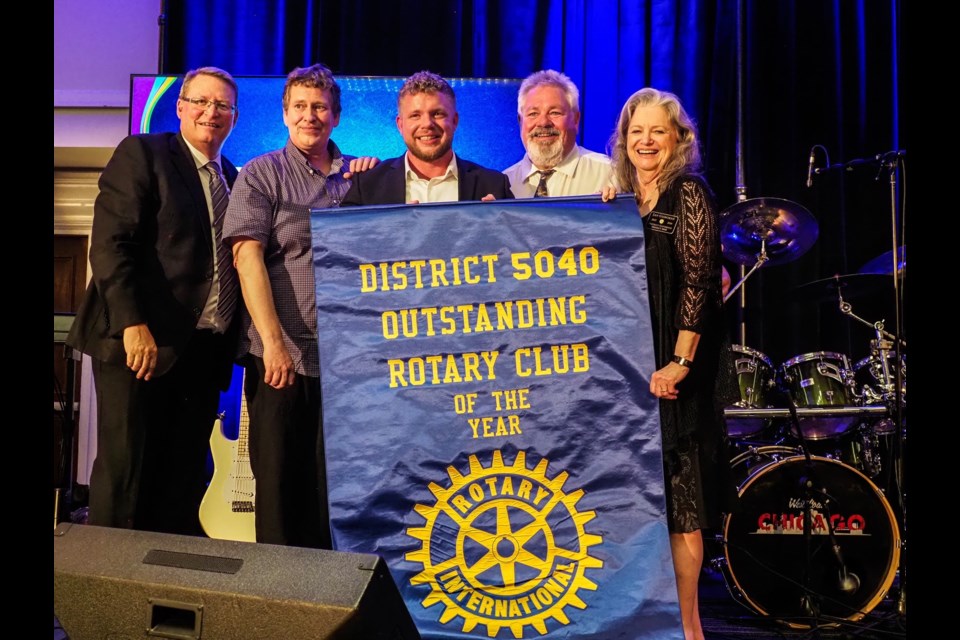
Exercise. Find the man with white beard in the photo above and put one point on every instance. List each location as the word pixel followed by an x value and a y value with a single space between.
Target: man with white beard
pixel 548 109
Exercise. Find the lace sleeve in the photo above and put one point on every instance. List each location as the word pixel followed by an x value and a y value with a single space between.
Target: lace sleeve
pixel 697 244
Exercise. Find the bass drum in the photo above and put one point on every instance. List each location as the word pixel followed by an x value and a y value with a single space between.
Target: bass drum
pixel 766 551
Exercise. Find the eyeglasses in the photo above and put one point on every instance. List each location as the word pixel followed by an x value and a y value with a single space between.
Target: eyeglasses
pixel 203 104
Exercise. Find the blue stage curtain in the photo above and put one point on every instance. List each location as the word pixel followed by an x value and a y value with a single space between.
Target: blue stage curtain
pixel 815 72
pixel 610 48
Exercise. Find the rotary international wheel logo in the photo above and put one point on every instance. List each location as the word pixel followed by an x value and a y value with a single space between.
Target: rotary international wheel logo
pixel 504 547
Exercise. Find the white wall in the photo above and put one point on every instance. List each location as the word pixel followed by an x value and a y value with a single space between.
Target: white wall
pixel 97 44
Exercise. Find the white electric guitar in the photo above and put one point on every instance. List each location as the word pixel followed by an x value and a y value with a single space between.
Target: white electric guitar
pixel 227 508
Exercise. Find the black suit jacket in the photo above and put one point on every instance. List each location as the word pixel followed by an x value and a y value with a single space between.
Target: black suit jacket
pixel 151 252
pixel 386 183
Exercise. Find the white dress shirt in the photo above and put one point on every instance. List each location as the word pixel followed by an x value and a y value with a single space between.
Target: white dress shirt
pixel 582 172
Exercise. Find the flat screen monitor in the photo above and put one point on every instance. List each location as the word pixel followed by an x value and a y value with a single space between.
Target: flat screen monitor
pixel 488 133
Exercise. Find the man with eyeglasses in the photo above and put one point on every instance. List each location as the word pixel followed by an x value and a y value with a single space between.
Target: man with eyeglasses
pixel 268 226
pixel 157 317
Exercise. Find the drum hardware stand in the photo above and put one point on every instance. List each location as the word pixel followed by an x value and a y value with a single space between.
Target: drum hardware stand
pixel 891 162
pixel 847 309
pixel 807 602
pixel 762 257
pixel 848 582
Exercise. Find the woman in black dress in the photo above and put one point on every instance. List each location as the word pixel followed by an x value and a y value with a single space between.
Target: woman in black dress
pixel 657 156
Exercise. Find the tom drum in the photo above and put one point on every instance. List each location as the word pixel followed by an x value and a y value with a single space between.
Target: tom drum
pixel 821 379
pixel 757 380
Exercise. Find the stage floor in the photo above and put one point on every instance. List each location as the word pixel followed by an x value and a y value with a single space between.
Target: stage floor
pixel 725 618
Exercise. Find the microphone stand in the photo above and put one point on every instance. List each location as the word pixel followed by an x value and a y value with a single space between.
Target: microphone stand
pixel 890 162
pixel 848 582
pixel 162 36
pixel 809 604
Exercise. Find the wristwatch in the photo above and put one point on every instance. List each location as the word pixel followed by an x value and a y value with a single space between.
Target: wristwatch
pixel 683 362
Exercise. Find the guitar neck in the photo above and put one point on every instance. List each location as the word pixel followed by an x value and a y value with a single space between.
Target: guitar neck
pixel 243 449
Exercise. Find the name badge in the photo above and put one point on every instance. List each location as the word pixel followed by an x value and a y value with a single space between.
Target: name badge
pixel 663 222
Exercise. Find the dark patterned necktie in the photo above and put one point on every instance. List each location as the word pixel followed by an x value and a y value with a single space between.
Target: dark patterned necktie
pixel 226 273
pixel 542 185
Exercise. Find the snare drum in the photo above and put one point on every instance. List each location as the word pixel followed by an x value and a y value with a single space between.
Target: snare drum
pixel 756 375
pixel 766 551
pixel 821 379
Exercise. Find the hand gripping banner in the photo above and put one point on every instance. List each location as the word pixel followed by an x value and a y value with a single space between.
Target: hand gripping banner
pixel 488 426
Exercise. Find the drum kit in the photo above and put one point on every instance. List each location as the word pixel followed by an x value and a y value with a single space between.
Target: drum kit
pixel 817 535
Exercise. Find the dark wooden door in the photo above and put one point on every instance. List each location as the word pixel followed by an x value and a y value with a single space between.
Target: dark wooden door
pixel 69 282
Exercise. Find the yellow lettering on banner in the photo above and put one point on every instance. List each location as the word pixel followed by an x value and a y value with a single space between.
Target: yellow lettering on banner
pixel 368 278
pixel 483 320
pixel 541 494
pixel 553 587
pixel 464 402
pixel 562 578
pixel 577 315
pixel 479 318
pixel 417 266
pixel 468 262
pixel 511 399
pixel 397 377
pixel 439 272
pixel 474 601
pixel 544 264
pixel 563 358
pixel 462 504
pixel 523 603
pixel 437 369
pixel 450 325
pixel 491 426
pixel 451 581
pixel 486 605
pixel 524 492
pixel 524 314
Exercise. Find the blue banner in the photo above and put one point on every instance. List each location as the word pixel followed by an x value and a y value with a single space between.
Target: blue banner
pixel 489 430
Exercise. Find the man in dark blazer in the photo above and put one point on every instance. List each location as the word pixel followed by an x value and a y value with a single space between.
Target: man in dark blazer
pixel 157 316
pixel 430 171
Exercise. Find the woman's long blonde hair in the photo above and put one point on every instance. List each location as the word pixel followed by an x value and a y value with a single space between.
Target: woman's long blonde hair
pixel 685 159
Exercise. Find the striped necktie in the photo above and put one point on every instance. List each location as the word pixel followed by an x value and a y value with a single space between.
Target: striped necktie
pixel 542 185
pixel 226 274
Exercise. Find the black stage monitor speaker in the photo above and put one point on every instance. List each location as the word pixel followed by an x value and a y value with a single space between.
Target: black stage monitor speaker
pixel 118 583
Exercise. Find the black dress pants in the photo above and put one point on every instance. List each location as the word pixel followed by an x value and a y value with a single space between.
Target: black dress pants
pixel 150 471
pixel 287 459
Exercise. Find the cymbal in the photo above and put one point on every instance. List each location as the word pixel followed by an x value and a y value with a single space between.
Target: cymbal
pixel 884 262
pixel 785 228
pixel 854 285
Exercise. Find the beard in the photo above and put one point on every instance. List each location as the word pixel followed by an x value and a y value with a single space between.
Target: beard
pixel 429 155
pixel 544 156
